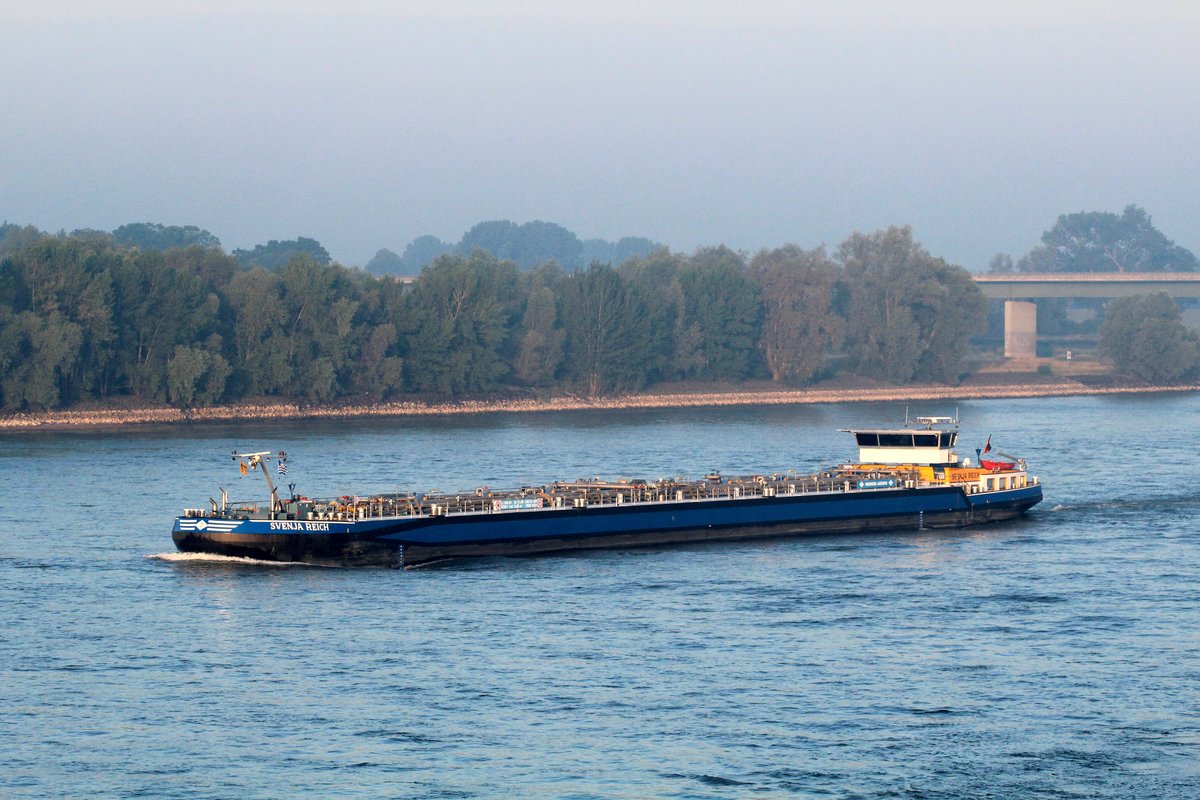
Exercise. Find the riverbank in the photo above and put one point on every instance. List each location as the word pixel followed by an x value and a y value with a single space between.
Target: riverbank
pixel 107 418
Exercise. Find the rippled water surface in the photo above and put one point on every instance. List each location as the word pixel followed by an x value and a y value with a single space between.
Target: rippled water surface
pixel 1056 656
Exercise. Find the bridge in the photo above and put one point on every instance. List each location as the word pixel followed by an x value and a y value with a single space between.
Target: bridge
pixel 1017 290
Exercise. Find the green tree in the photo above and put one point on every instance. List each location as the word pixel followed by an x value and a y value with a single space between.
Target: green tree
pixel 155 236
pixel 423 251
pixel 319 302
pixel 196 376
pixel 261 345
pixel 1098 241
pixel 527 245
pixel 1001 264
pixel 1146 338
pixel 211 265
pixel 159 307
pixel 89 237
pixel 950 311
pixel 459 312
pixel 605 329
pixel 16 238
pixel 384 319
pixel 618 252
pixel 721 304
pixel 670 347
pixel 184 371
pixel 37 355
pixel 377 372
pixel 910 315
pixel 71 278
pixel 800 323
pixel 276 254
pixel 385 262
pixel 541 338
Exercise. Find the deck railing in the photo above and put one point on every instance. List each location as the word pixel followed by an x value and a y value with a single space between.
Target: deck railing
pixel 580 495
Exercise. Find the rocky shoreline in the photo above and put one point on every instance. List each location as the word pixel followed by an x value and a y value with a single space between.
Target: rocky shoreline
pixel 285 411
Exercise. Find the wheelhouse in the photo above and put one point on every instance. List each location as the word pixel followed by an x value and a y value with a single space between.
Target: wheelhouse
pixel 929 445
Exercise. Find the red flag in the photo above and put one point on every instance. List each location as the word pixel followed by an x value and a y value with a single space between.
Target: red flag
pixel 987 448
pixel 242 467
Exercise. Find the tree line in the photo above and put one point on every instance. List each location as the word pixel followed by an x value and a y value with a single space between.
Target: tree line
pixel 85 319
pixel 526 245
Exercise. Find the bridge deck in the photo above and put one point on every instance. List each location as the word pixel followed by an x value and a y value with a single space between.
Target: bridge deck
pixel 1026 286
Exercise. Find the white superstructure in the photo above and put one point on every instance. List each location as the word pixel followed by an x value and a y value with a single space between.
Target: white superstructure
pixel 930 444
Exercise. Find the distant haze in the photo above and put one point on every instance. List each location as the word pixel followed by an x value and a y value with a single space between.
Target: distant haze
pixel 367 124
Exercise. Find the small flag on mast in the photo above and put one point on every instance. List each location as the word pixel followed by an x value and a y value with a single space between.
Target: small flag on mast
pixel 987 448
pixel 281 468
pixel 242 467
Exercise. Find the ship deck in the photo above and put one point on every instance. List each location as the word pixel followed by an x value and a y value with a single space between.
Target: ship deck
pixel 594 492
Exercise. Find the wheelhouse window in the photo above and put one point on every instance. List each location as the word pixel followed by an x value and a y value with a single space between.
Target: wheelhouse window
pixel 944 440
pixel 895 440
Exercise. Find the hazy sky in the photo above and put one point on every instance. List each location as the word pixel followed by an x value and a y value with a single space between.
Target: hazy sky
pixel 366 124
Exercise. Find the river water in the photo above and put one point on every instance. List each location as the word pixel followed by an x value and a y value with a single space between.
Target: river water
pixel 1055 656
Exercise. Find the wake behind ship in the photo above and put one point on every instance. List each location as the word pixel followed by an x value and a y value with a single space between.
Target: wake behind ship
pixel 904 478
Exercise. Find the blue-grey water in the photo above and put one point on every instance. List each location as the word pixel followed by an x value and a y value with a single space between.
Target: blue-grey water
pixel 1053 657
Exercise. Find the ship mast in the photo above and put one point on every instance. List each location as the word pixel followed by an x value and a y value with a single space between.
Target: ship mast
pixel 256 461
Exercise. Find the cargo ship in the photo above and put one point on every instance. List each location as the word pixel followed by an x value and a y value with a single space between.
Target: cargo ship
pixel 903 478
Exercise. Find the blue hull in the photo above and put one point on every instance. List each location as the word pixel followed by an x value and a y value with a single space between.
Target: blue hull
pixel 412 541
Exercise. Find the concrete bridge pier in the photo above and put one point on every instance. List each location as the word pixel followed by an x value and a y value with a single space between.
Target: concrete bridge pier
pixel 1020 315
pixel 1020 330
